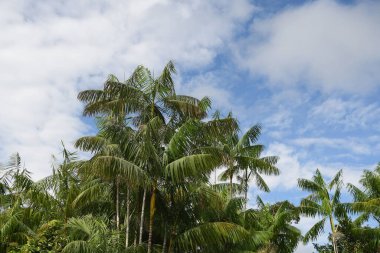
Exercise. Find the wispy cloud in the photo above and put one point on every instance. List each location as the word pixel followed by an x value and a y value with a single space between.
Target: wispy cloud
pixel 346 114
pixel 355 146
pixel 295 163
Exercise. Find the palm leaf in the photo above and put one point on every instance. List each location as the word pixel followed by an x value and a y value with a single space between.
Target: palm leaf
pixel 211 235
pixel 196 166
pixel 315 231
pixel 91 143
pixel 251 136
pixel 109 166
pixel 78 247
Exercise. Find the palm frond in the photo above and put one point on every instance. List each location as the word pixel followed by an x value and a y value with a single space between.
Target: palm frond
pixel 211 235
pixel 337 180
pixel 91 143
pixel 315 231
pixel 109 166
pixel 196 166
pixel 250 137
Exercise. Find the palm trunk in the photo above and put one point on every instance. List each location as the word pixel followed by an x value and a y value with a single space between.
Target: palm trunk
pixel 334 242
pixel 164 243
pixel 245 197
pixel 151 218
pixel 245 189
pixel 231 186
pixel 127 219
pixel 142 216
pixel 135 240
pixel 170 250
pixel 117 204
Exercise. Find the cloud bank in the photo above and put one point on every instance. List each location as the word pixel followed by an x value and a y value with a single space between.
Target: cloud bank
pixel 323 45
pixel 51 50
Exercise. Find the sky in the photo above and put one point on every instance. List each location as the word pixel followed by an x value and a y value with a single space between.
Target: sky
pixel 308 71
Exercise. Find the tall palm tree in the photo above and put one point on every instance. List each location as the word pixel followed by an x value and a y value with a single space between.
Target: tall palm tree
pixel 153 154
pixel 110 163
pixel 155 110
pixel 323 201
pixel 243 155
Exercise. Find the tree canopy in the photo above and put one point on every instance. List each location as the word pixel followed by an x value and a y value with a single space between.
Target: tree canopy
pixel 147 185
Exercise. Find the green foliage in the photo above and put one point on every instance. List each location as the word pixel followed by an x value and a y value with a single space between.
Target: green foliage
pixel 146 185
pixel 49 238
pixel 323 203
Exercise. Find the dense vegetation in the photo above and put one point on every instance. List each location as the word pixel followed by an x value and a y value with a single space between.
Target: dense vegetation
pixel 150 185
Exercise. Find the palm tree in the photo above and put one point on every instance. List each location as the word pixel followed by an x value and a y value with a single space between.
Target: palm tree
pixel 151 101
pixel 277 220
pixel 63 184
pixel 200 218
pixel 357 237
pixel 367 199
pixel 244 155
pixel 152 146
pixel 90 234
pixel 324 201
pixel 110 163
pixel 22 204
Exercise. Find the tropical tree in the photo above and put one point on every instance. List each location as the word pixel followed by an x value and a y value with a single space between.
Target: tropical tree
pixel 242 157
pixel 145 186
pixel 354 237
pixel 277 220
pixel 90 234
pixel 323 201
pixel 15 228
pixel 62 186
pixel 367 199
pixel 156 111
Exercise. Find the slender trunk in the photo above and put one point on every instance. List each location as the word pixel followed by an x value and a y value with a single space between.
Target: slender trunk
pixel 117 204
pixel 142 216
pixel 127 219
pixel 245 197
pixel 334 242
pixel 245 189
pixel 151 218
pixel 135 240
pixel 164 243
pixel 170 250
pixel 231 186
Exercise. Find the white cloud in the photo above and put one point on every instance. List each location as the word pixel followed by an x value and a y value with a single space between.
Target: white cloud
pixel 51 50
pixel 323 44
pixel 277 112
pixel 339 144
pixel 281 119
pixel 209 84
pixel 346 114
pixel 294 164
pixel 289 165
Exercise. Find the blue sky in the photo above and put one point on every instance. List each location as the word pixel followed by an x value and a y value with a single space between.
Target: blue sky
pixel 308 71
